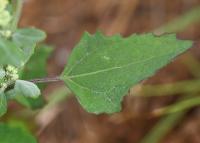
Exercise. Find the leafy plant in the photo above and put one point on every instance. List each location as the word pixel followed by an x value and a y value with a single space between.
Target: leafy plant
pixel 100 69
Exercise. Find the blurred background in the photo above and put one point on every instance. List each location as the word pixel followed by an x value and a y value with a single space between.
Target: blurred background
pixel 159 110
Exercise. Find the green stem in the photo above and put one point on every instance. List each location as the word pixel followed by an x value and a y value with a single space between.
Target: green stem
pixel 18 4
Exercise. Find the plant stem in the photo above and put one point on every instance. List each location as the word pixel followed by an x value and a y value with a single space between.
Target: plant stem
pixel 46 80
pixel 17 13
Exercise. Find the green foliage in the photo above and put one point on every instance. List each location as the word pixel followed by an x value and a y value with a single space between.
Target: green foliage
pixel 15 52
pixel 35 68
pixel 26 39
pixel 32 103
pixel 5 16
pixel 3 104
pixel 3 5
pixel 28 36
pixel 37 65
pixel 22 92
pixel 15 134
pixel 25 88
pixel 20 48
pixel 10 54
pixel 101 69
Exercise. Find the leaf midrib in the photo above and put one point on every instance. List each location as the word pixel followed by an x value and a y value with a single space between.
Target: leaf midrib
pixel 112 68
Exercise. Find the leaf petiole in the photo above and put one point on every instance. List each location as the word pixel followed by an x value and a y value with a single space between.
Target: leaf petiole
pixel 46 80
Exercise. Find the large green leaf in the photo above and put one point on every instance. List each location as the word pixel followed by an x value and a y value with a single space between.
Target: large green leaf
pixel 10 54
pixel 101 69
pixel 27 38
pixel 3 104
pixel 12 134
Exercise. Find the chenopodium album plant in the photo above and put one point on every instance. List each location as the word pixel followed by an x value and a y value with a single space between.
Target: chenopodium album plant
pixel 100 69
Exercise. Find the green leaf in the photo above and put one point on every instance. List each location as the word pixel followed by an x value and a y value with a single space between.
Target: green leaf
pixel 27 39
pixel 26 88
pixel 10 54
pixel 37 65
pixel 32 103
pixel 28 36
pixel 35 68
pixel 12 134
pixel 3 104
pixel 101 69
pixel 23 91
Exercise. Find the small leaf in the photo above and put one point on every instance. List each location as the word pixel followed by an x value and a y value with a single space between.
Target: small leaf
pixel 35 68
pixel 28 36
pixel 25 88
pixel 101 69
pixel 3 104
pixel 12 134
pixel 10 54
pixel 27 39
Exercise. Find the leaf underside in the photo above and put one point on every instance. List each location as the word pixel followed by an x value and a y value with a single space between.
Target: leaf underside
pixel 26 89
pixel 101 69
